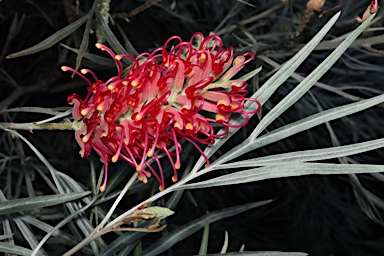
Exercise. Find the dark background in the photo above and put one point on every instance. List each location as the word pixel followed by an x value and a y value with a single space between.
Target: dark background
pixel 320 215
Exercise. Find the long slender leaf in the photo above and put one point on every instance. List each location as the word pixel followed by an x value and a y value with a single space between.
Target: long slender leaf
pixel 48 111
pixel 25 204
pixel 295 94
pixel 285 170
pixel 251 74
pixel 7 230
pixel 128 45
pixel 93 57
pixel 52 40
pixel 315 120
pixel 174 199
pixel 190 228
pixel 225 244
pixel 82 222
pixel 51 169
pixel 262 254
pixel 111 38
pixel 85 39
pixel 5 237
pixel 303 125
pixel 290 66
pixel 309 81
pixel 28 234
pixel 366 197
pixel 15 249
pixel 129 248
pixel 204 241
pixel 65 221
pixel 68 239
pixel 308 155
pixel 273 83
pixel 14 29
pixel 127 239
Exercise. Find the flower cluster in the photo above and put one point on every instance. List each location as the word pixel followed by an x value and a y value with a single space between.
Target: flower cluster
pixel 171 94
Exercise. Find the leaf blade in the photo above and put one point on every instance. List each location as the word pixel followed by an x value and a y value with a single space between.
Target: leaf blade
pixel 22 204
pixel 309 81
pixel 85 40
pixel 186 230
pixel 50 41
pixel 272 84
pixel 15 249
pixel 284 170
pixel 309 155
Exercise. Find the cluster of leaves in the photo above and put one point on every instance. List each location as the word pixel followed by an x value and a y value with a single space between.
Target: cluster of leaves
pixel 306 127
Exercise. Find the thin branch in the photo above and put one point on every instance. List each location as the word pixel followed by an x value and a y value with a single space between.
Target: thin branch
pixel 136 11
pixel 34 126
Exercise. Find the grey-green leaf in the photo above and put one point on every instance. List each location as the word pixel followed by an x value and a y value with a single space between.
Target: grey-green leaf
pixel 25 204
pixel 14 249
pixel 308 82
pixel 308 155
pixel 251 74
pixel 125 242
pixel 190 228
pixel 272 84
pixel 285 170
pixel 111 38
pixel 262 254
pixel 52 40
pixel 225 245
pixel 85 40
pixel 93 57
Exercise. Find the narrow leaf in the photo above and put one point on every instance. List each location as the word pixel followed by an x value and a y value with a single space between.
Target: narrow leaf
pixel 303 125
pixel 52 40
pixel 251 74
pixel 308 155
pixel 225 245
pixel 92 57
pixel 111 38
pixel 27 234
pixel 167 241
pixel 26 204
pixel 272 84
pixel 5 237
pixel 128 45
pixel 315 120
pixel 309 81
pixel 262 254
pixel 14 249
pixel 126 241
pixel 285 170
pixel 204 241
pixel 87 31
pixel 290 66
pixel 64 237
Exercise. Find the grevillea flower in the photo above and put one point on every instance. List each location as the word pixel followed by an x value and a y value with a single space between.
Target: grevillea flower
pixel 171 94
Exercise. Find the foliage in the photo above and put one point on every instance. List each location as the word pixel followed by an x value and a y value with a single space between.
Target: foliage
pixel 303 175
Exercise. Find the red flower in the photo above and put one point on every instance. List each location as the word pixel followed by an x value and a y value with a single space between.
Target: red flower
pixel 138 115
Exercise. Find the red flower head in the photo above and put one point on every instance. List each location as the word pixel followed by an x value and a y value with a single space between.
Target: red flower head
pixel 159 102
